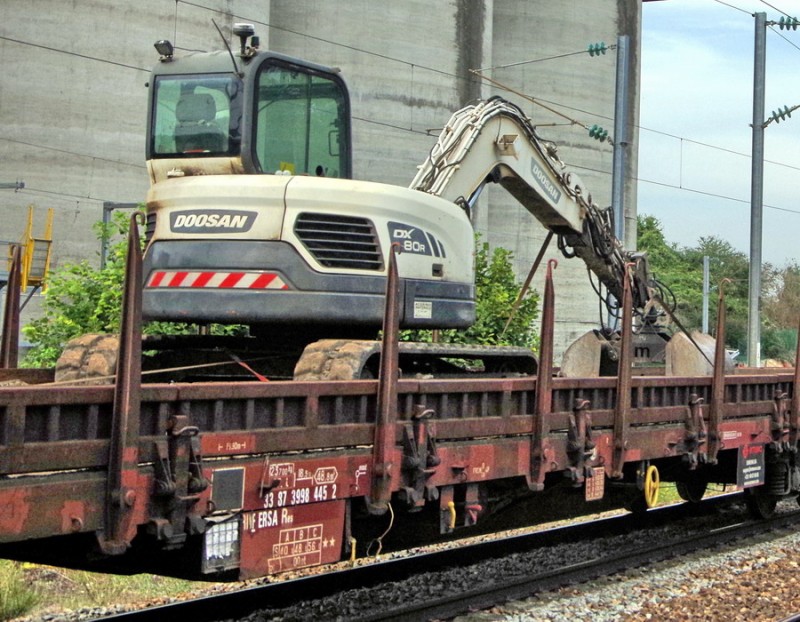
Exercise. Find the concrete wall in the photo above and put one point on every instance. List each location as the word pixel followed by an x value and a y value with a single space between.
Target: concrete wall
pixel 576 90
pixel 73 97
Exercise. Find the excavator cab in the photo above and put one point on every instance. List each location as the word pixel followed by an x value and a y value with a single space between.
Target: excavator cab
pixel 254 113
pixel 253 217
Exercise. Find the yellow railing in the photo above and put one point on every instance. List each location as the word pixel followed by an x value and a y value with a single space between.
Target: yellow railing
pixel 35 252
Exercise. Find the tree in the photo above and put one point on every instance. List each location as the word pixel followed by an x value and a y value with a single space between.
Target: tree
pixel 782 304
pixel 725 262
pixel 670 266
pixel 781 311
pixel 80 299
pixel 681 269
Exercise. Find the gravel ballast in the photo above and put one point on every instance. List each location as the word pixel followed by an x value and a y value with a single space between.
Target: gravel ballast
pixel 753 582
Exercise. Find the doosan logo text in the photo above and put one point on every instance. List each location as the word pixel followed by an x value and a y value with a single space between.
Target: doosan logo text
pixel 545 184
pixel 211 221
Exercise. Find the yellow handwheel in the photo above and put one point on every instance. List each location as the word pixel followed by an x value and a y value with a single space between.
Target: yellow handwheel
pixel 651 483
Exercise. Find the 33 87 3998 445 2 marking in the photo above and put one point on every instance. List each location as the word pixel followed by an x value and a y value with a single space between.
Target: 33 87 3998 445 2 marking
pixel 298 496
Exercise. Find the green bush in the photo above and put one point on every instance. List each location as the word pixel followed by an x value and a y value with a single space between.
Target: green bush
pixel 496 290
pixel 82 299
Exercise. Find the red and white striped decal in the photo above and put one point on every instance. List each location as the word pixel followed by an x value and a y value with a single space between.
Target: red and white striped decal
pixel 217 280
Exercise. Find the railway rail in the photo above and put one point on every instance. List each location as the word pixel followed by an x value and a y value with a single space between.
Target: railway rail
pixel 455 570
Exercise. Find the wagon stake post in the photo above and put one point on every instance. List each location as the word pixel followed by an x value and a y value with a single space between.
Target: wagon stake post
pixel 385 422
pixel 717 405
pixel 544 383
pixel 623 404
pixel 123 459
pixel 9 348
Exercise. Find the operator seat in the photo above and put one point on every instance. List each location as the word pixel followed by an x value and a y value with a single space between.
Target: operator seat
pixel 196 130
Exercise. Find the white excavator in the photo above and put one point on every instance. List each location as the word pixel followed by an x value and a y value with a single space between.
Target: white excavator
pixel 253 219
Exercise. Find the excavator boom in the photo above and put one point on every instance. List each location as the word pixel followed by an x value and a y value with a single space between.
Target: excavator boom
pixel 494 141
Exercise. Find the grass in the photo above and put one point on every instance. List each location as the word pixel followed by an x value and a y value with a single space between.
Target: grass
pixel 668 493
pixel 16 596
pixel 32 589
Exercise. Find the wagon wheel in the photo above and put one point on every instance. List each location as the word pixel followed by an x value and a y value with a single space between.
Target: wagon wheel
pixel 647 497
pixel 692 490
pixel 652 481
pixel 760 504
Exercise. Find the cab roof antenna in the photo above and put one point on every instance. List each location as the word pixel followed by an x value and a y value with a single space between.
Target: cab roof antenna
pixel 225 41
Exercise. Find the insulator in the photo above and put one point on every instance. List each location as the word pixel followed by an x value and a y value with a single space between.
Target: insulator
pixel 595 49
pixel 598 133
pixel 781 115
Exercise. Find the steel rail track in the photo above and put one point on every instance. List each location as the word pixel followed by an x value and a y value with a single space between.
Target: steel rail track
pixel 241 603
pixel 489 596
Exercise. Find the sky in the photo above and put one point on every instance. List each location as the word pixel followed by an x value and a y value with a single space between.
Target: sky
pixel 695 118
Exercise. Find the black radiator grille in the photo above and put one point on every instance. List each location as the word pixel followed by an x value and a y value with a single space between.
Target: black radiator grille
pixel 340 241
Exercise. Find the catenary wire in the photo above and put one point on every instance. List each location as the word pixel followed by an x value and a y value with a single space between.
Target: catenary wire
pixel 400 128
pixel 387 57
pixel 538 60
pixel 84 56
pixel 72 153
pixel 732 7
pixel 774 8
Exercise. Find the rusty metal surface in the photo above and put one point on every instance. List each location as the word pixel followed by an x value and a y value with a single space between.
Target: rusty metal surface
pixel 9 345
pixel 623 398
pixel 26 376
pixel 287 416
pixel 794 435
pixel 109 460
pixel 385 425
pixel 123 461
pixel 543 403
pixel 69 428
pixel 67 504
pixel 718 381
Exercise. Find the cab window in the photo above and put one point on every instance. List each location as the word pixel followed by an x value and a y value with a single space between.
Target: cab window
pixel 301 123
pixel 196 115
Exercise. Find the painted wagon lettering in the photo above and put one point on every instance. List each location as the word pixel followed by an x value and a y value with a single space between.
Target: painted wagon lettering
pixel 229 444
pixel 326 475
pixel 265 519
pixel 284 471
pixel 323 493
pixel 268 518
pixel 482 470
